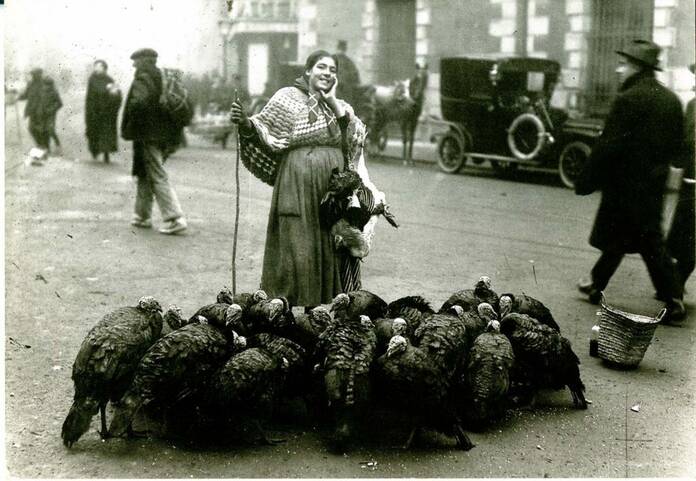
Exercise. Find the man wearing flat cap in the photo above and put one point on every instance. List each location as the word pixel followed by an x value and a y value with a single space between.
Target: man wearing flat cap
pixel 153 135
pixel 629 165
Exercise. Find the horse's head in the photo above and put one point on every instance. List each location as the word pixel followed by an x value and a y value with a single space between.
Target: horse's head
pixel 401 89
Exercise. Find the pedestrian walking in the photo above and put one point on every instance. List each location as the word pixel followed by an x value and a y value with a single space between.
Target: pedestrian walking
pixel 101 112
pixel 43 103
pixel 294 143
pixel 629 165
pixel 348 77
pixel 154 136
pixel 681 240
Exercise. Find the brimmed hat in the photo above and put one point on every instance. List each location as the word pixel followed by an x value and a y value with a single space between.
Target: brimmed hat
pixel 643 52
pixel 144 53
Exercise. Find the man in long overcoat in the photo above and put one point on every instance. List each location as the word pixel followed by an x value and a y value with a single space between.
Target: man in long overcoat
pixel 629 165
pixel 682 236
pixel 153 134
pixel 348 75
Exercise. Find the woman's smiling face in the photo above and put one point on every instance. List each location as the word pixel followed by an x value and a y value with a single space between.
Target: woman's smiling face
pixel 323 75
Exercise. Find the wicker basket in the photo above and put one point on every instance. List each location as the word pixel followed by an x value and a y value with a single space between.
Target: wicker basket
pixel 624 337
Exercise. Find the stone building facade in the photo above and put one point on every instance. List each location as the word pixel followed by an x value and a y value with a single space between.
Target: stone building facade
pixel 387 37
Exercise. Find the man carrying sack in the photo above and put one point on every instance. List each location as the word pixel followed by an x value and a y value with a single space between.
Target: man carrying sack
pixel 629 165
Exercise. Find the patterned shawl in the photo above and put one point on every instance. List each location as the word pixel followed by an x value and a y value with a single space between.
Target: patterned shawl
pixel 293 118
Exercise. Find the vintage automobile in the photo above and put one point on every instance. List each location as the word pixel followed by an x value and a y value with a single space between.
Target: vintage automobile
pixel 499 110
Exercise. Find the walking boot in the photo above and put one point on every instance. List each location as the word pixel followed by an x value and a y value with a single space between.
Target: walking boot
pixel 676 312
pixel 587 287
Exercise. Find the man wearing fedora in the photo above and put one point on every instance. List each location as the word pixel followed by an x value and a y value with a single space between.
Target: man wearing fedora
pixel 153 135
pixel 629 165
pixel 681 240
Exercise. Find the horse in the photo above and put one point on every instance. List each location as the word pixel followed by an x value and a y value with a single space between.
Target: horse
pixel 402 102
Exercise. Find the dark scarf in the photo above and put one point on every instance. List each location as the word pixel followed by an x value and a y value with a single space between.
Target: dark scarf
pixel 317 106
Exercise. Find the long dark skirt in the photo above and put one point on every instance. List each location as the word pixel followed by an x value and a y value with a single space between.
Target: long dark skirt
pixel 300 261
pixel 102 136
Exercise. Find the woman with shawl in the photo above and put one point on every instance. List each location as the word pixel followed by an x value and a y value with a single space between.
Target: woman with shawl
pixel 302 134
pixel 101 112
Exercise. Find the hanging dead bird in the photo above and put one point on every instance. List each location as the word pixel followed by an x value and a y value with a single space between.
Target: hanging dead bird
pixel 348 198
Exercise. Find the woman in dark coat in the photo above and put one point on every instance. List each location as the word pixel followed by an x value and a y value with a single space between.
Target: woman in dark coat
pixel 629 164
pixel 101 112
pixel 681 240
pixel 299 137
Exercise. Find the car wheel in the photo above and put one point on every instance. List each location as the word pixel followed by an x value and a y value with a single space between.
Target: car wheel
pixel 452 153
pixel 527 136
pixel 572 161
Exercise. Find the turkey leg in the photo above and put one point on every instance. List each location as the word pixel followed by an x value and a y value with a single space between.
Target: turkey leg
pixel 578 397
pixel 409 441
pixel 104 433
pixel 463 441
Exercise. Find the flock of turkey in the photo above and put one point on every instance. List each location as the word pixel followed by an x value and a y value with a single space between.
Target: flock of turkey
pixel 232 362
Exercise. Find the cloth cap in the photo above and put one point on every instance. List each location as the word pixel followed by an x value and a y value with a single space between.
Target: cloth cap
pixel 643 52
pixel 144 53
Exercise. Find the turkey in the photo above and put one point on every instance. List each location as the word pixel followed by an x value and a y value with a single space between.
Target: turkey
pixel 251 382
pixel 175 368
pixel 543 358
pixel 444 336
pixel 412 309
pixel 306 328
pixel 352 305
pixel 244 299
pixel 222 314
pixel 269 315
pixel 488 372
pixel 416 380
pixel 346 350
pixel 384 331
pixel 524 304
pixel 106 361
pixel 348 198
pixel 469 299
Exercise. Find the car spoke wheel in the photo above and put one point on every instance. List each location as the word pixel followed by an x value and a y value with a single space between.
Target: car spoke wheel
pixel 452 153
pixel 572 162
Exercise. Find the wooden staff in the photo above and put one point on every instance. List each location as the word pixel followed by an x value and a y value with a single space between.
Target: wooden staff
pixel 236 213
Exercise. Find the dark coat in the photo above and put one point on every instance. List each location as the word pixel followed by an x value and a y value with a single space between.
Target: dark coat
pixel 348 78
pixel 682 236
pixel 629 164
pixel 144 120
pixel 101 114
pixel 43 100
